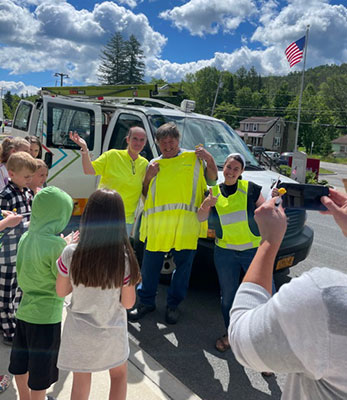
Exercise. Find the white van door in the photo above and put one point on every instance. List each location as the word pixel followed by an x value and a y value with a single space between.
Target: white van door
pixel 61 154
pixel 25 119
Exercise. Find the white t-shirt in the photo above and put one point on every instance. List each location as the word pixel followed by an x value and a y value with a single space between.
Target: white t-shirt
pixel 95 335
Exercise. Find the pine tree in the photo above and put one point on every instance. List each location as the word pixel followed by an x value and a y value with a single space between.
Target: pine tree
pixel 113 67
pixel 135 66
pixel 8 98
pixel 121 61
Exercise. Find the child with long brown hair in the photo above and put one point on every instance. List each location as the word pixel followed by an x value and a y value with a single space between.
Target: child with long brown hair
pixel 101 271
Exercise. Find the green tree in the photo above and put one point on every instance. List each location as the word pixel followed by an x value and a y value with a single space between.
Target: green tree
pixel 281 100
pixel 241 77
pixel 228 113
pixel 112 69
pixel 202 87
pixel 253 80
pixel 135 67
pixel 244 101
pixel 227 91
pixel 334 94
pixel 8 99
pixel 121 61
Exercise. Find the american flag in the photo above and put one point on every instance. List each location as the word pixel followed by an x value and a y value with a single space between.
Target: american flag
pixel 295 51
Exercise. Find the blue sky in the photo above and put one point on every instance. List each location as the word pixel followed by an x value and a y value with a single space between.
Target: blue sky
pixel 41 37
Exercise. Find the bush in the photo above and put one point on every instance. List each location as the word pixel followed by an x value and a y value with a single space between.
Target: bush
pixel 311 177
pixel 285 170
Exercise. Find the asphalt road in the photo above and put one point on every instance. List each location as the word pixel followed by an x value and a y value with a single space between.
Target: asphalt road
pixel 187 349
pixel 340 171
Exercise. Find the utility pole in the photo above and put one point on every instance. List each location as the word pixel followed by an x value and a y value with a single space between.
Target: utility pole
pixel 62 76
pixel 220 84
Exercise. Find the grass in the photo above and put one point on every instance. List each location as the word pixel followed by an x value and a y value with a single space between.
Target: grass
pixel 334 160
pixel 325 171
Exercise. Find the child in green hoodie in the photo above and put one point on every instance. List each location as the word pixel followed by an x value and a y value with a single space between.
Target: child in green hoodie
pixel 37 336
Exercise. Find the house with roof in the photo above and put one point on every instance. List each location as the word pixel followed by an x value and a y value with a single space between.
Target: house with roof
pixel 339 146
pixel 269 132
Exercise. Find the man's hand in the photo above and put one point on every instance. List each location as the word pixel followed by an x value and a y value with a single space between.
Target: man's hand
pixel 271 221
pixel 203 154
pixel 152 171
pixel 336 204
pixel 76 138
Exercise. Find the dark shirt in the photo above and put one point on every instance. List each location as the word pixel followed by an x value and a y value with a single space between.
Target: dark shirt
pixel 253 194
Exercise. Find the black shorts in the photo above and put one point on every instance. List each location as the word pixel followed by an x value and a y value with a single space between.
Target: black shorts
pixel 35 350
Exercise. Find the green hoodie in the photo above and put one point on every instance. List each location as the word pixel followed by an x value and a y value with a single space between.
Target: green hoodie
pixel 38 250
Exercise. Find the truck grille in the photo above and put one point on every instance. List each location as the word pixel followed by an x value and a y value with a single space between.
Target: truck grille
pixel 296 221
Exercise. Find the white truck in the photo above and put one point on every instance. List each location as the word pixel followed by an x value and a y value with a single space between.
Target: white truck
pixel 102 116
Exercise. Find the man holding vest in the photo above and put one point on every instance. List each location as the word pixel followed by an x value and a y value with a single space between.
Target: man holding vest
pixel 174 185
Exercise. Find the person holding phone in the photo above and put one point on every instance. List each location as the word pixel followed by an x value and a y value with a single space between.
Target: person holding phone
pixel 302 330
pixel 231 206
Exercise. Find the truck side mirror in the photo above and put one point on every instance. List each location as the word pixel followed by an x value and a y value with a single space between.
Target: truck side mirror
pixel 49 159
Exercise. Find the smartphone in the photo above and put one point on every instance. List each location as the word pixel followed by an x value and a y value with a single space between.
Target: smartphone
pixel 304 196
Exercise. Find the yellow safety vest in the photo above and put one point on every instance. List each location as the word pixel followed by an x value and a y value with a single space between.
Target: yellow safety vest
pixel 232 212
pixel 169 219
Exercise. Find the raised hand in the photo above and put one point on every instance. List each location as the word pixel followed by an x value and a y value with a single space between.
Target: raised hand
pixel 76 138
pixel 210 200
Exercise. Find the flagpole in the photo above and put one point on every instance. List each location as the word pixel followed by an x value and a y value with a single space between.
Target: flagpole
pixel 301 90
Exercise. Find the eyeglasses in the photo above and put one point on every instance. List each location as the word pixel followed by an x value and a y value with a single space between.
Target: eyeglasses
pixel 133 166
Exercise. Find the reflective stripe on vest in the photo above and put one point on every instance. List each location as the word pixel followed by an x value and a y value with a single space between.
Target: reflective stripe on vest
pixel 232 213
pixel 169 219
pixel 239 247
pixel 176 206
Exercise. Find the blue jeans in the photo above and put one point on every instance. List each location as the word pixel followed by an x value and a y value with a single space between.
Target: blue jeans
pixel 150 270
pixel 229 264
pixel 129 228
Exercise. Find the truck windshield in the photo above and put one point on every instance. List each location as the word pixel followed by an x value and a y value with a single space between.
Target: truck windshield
pixel 217 137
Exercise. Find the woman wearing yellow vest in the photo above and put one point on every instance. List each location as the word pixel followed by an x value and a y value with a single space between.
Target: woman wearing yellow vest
pixel 120 170
pixel 231 206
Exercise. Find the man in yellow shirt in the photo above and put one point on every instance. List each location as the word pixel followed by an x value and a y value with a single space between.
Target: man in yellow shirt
pixel 120 170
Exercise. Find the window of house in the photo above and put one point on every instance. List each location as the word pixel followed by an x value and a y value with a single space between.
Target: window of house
pixel 343 149
pixel 278 128
pixel 277 141
pixel 255 127
pixel 246 127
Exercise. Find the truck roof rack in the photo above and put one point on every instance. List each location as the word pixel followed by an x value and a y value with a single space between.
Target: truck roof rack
pixel 117 94
pixel 127 91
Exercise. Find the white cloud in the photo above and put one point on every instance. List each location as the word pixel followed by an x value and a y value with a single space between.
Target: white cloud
pixel 18 88
pixel 202 17
pixel 328 29
pixel 54 36
pixel 58 37
pixel 129 3
pixel 266 62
